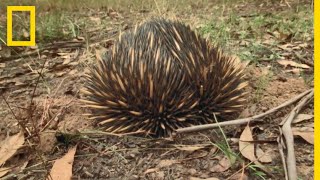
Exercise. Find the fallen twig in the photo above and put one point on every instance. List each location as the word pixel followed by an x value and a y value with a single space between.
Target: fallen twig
pixel 288 135
pixel 283 159
pixel 241 121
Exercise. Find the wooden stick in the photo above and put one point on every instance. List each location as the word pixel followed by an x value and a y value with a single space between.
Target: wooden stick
pixel 241 121
pixel 283 159
pixel 288 135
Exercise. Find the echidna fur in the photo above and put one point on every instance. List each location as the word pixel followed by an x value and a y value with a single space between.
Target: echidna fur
pixel 161 76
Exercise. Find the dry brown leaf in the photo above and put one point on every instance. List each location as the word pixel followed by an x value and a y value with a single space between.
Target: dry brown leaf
pixel 2 65
pixel 62 168
pixel 10 146
pixel 166 163
pixel 189 148
pixel 247 148
pixel 151 170
pixel 286 63
pixel 302 117
pixel 306 135
pixel 4 171
pixel 262 156
pixel 223 165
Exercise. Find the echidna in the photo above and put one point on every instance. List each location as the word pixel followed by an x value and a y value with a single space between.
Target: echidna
pixel 161 76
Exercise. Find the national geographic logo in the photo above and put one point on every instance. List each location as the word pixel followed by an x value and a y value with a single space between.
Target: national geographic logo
pixel 32 41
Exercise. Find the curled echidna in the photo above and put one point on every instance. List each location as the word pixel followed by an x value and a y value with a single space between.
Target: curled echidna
pixel 161 76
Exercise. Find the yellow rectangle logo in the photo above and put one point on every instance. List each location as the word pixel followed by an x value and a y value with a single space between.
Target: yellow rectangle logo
pixel 32 11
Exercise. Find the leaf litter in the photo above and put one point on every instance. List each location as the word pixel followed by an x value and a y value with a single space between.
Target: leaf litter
pixel 306 133
pixel 223 165
pixel 247 148
pixel 10 146
pixel 62 168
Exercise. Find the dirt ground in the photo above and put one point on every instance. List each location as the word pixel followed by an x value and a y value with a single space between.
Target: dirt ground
pixel 60 122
